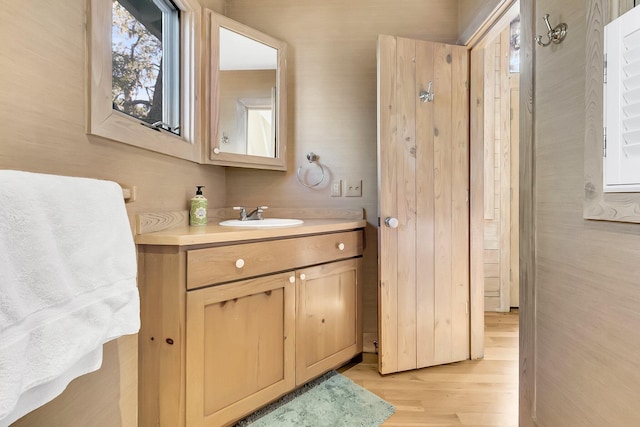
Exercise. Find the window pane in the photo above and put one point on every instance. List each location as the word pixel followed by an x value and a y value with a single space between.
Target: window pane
pixel 145 61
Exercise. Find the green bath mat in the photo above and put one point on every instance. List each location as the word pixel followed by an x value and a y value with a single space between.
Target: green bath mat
pixel 332 400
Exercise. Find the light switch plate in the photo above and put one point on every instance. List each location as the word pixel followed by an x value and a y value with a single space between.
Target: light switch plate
pixel 336 188
pixel 353 188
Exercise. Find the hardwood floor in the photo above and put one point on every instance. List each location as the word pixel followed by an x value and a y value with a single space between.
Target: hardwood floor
pixel 469 393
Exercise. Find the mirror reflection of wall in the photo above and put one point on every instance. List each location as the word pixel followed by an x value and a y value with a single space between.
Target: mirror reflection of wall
pixel 247 81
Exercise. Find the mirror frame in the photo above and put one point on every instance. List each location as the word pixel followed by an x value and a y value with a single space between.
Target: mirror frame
pixel 212 137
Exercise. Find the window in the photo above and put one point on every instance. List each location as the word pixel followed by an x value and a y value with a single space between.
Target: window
pixel 144 69
pixel 145 45
pixel 622 104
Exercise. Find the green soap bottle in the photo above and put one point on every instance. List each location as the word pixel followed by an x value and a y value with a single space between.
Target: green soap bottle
pixel 198 213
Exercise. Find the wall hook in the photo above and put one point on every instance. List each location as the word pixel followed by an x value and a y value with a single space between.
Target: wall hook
pixel 555 35
pixel 427 95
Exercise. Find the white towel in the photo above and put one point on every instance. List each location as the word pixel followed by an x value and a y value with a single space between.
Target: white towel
pixel 67 283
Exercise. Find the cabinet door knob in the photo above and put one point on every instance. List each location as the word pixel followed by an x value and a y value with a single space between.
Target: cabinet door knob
pixel 302 276
pixel 292 279
pixel 391 222
pixel 341 246
pixel 216 150
pixel 239 263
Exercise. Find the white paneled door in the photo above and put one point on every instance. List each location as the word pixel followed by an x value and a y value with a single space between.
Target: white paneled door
pixel 423 170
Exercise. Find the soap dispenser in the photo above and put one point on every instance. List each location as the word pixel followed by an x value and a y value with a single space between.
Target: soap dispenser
pixel 198 213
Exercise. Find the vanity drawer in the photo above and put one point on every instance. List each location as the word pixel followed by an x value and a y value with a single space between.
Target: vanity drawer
pixel 228 263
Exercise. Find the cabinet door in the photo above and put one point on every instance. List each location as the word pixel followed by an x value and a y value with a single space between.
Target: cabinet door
pixel 328 318
pixel 240 348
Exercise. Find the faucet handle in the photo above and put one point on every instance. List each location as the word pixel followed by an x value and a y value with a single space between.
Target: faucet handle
pixel 259 211
pixel 243 212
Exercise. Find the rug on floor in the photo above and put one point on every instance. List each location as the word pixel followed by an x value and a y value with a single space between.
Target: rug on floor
pixel 332 400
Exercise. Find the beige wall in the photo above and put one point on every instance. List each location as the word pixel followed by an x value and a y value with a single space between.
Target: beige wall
pixel 42 105
pixel 332 100
pixel 587 272
pixel 472 14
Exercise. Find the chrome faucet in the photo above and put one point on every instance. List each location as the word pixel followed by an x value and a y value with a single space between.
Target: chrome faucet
pixel 254 215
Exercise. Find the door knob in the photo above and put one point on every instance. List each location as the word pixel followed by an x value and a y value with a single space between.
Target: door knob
pixel 391 222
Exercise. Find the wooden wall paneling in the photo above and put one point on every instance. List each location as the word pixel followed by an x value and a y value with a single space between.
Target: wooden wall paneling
pixel 388 238
pixel 623 207
pixel 515 186
pixel 443 176
pixel 505 172
pixel 425 230
pixel 476 200
pixel 406 161
pixel 461 304
pixel 492 167
pixel 489 129
pixel 527 362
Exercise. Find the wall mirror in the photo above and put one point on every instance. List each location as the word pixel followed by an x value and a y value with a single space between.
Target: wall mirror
pixel 247 97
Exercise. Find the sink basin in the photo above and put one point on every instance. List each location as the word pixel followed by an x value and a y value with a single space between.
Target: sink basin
pixel 263 223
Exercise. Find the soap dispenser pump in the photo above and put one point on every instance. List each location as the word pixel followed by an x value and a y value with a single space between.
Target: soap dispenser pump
pixel 198 213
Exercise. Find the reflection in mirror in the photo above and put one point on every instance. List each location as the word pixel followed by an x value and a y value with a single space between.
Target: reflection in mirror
pixel 247 97
pixel 247 81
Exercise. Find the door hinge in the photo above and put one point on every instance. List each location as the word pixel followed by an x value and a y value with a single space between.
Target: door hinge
pixel 467 196
pixel 605 68
pixel 604 135
pixel 466 307
pixel 511 114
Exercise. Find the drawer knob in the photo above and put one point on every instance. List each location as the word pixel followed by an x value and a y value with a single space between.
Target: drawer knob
pixel 341 246
pixel 292 279
pixel 239 263
pixel 302 276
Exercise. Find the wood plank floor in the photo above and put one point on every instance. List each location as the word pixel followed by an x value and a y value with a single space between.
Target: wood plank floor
pixel 470 393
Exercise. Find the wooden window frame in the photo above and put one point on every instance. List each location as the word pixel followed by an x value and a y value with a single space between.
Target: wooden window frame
pixel 598 205
pixel 104 121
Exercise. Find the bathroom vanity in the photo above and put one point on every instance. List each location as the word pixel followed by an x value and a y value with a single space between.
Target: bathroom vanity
pixel 233 318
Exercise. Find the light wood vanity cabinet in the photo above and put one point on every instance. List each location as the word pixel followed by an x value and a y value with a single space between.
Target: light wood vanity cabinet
pixel 240 347
pixel 328 317
pixel 221 338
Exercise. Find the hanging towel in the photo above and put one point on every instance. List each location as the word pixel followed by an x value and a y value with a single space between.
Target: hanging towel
pixel 67 283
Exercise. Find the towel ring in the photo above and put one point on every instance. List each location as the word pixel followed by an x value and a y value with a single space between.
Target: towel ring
pixel 312 158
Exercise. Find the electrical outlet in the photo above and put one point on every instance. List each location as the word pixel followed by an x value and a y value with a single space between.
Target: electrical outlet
pixel 336 188
pixel 353 188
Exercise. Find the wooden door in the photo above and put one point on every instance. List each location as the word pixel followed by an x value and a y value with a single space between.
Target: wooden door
pixel 240 348
pixel 328 317
pixel 423 161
